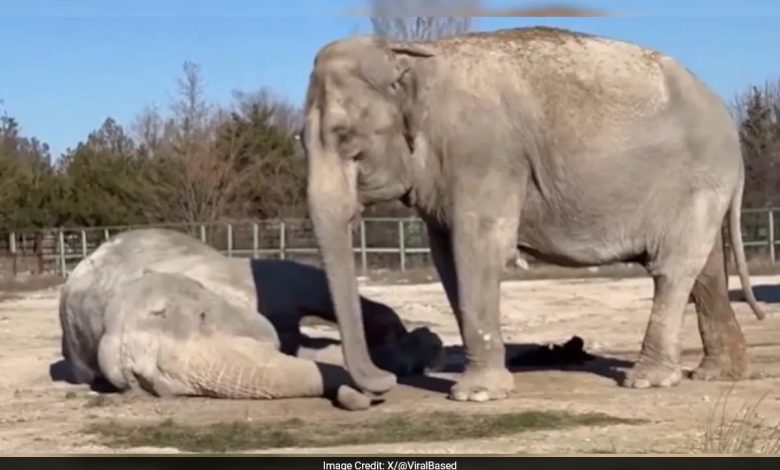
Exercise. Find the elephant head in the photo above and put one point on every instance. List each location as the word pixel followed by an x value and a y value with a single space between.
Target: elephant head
pixel 358 137
pixel 163 318
pixel 170 335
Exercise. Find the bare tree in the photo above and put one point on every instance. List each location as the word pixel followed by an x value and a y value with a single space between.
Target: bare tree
pixel 148 129
pixel 191 109
pixel 394 18
pixel 285 115
pixel 411 20
pixel 181 175
pixel 209 162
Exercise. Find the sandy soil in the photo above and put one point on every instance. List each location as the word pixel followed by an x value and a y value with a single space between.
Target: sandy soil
pixel 40 415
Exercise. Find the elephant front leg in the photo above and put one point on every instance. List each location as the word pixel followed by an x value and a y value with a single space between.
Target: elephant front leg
pixel 479 247
pixel 725 356
pixel 440 241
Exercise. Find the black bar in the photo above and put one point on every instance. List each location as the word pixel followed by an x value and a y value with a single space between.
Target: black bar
pixel 386 463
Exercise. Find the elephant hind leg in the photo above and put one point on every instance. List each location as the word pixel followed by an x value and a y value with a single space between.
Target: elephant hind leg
pixel 659 360
pixel 725 356
pixel 675 264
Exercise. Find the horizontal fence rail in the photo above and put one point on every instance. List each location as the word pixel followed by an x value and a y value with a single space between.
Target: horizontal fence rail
pixel 378 243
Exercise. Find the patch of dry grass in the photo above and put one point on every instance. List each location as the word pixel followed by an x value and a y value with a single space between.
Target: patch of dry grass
pixel 742 432
pixel 242 436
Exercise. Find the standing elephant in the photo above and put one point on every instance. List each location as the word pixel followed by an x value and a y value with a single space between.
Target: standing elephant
pixel 577 149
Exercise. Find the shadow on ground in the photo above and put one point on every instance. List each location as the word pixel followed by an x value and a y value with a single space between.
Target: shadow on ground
pixel 569 356
pixel 60 371
pixel 769 293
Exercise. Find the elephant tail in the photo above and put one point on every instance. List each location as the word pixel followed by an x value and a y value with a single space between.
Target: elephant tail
pixel 737 245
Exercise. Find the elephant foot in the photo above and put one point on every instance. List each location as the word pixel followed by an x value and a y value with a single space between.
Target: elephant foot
pixel 721 367
pixel 644 375
pixel 484 384
pixel 352 399
pixel 374 380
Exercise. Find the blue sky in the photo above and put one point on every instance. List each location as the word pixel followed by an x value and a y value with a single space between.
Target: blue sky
pixel 67 65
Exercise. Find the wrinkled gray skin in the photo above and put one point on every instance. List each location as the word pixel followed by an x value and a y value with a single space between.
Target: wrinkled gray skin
pixel 160 311
pixel 579 150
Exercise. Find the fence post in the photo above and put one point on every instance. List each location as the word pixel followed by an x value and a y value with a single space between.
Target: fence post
pixel 255 240
pixel 724 237
pixel 771 220
pixel 61 243
pixel 229 240
pixel 203 233
pixel 402 244
pixel 282 240
pixel 83 244
pixel 363 254
pixel 12 249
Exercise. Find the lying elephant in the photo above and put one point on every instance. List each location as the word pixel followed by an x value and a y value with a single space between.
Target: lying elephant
pixel 579 150
pixel 160 311
pixel 169 335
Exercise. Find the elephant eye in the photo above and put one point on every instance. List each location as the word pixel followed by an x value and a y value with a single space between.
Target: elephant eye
pixel 343 134
pixel 347 142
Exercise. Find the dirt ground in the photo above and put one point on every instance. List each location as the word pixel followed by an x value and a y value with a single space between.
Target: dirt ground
pixel 40 415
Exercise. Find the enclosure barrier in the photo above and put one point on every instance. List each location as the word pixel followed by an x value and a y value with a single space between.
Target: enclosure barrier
pixel 382 242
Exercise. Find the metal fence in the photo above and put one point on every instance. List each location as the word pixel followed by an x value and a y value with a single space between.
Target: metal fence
pixel 378 243
pixel 386 243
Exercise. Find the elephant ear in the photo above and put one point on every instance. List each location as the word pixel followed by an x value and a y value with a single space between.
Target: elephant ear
pixel 386 65
pixel 407 84
pixel 408 53
pixel 406 56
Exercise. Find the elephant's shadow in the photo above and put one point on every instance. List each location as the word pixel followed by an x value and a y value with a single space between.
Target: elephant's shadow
pixel 529 357
pixel 768 293
pixel 274 276
pixel 60 371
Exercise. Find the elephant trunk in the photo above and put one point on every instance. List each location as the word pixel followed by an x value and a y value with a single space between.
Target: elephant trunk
pixel 333 203
pixel 243 368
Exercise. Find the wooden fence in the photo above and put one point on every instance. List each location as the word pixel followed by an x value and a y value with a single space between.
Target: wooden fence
pixel 378 243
